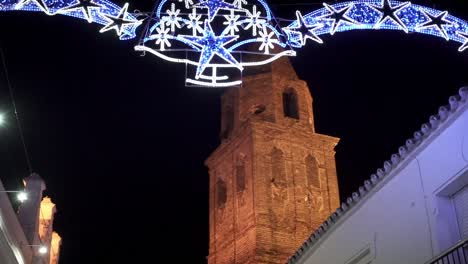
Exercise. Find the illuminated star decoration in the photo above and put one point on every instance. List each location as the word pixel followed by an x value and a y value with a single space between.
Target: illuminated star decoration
pixel 465 37
pixel 305 31
pixel 438 22
pixel 389 12
pixel 338 17
pixel 212 45
pixel 119 22
pixel 85 6
pixel 214 6
pixel 40 3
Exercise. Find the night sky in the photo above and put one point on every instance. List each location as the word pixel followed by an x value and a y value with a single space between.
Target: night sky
pixel 120 140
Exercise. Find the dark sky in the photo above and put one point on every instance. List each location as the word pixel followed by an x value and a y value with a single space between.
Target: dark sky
pixel 121 141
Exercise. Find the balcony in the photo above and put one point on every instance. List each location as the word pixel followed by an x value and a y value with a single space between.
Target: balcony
pixel 454 255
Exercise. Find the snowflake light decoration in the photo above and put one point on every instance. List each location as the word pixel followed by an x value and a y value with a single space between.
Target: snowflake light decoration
pixel 195 22
pixel 232 24
pixel 172 19
pixel 254 20
pixel 103 12
pixel 212 36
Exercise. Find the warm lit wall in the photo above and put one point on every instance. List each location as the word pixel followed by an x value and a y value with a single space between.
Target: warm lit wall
pixel 55 248
pixel 46 218
pixel 408 217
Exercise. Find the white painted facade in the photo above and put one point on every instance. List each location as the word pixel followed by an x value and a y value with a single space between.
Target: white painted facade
pixel 23 233
pixel 14 247
pixel 406 214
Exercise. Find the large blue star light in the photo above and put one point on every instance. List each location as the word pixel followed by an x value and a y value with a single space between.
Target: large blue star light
pixel 211 45
pixel 214 6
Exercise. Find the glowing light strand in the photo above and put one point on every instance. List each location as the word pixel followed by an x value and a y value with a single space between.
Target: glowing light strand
pixel 173 25
pixel 119 22
pixel 93 11
pixel 383 15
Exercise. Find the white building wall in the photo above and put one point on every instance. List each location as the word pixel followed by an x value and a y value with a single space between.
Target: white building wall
pixel 14 247
pixel 408 216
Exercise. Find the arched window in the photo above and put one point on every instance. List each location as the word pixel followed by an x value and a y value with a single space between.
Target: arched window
pixel 290 106
pixel 312 171
pixel 221 193
pixel 240 175
pixel 278 170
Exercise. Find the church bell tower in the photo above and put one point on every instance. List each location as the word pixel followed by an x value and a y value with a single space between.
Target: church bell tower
pixel 273 179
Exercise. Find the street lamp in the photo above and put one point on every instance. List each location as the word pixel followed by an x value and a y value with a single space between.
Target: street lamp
pixel 21 195
pixel 41 249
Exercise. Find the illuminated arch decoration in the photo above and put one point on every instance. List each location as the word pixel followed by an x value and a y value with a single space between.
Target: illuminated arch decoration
pixel 214 36
pixel 376 14
pixel 218 39
pixel 103 12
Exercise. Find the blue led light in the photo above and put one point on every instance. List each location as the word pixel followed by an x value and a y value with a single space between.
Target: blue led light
pixel 214 6
pixel 97 11
pixel 384 14
pixel 195 31
pixel 227 28
pixel 210 45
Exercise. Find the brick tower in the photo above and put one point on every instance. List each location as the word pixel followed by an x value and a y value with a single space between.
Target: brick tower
pixel 273 179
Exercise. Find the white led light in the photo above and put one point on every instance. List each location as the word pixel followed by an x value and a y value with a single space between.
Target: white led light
pixel 254 20
pixel 232 24
pixel 389 13
pixel 119 22
pixel 267 41
pixel 85 6
pixel 465 44
pixel 304 31
pixel 188 3
pixel 173 18
pixel 42 250
pixel 195 22
pixel 22 196
pixel 41 4
pixel 437 21
pixel 338 17
pixel 214 6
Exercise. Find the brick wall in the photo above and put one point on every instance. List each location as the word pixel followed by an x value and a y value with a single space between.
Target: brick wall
pixel 266 221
